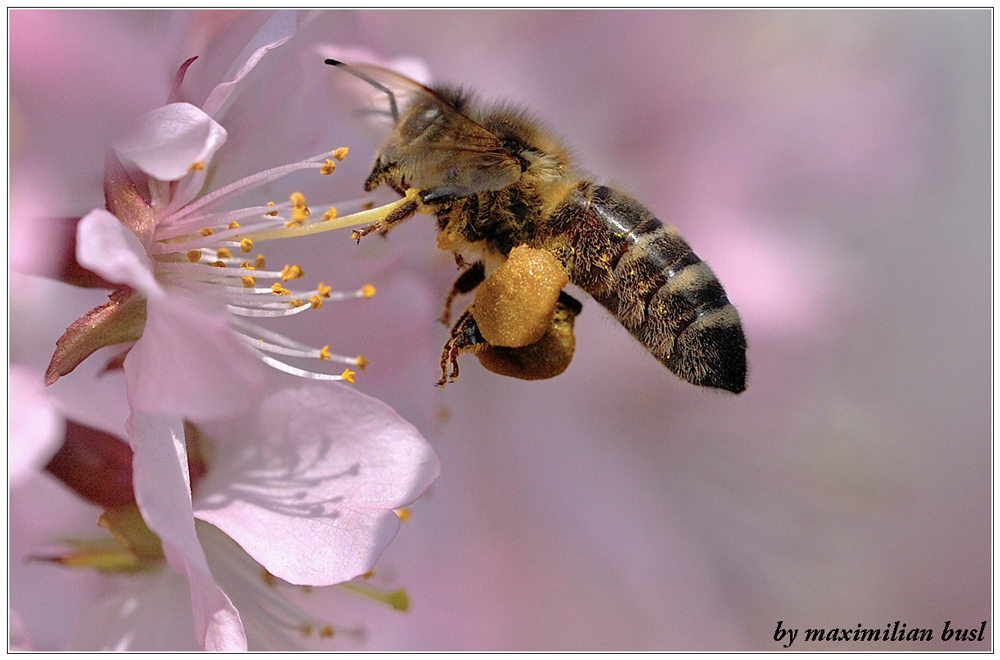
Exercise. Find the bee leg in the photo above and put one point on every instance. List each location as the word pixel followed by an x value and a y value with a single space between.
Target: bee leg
pixel 464 335
pixel 383 225
pixel 465 283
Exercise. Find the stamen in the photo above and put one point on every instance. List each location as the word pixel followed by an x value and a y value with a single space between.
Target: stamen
pixel 340 153
pixel 331 214
pixel 249 282
pixel 246 245
pixel 367 291
pixel 223 253
pixel 324 353
pixel 348 375
pixel 194 256
pixel 327 167
pixel 291 272
pixel 207 231
pixel 272 213
pixel 234 225
pixel 280 290
pixel 361 361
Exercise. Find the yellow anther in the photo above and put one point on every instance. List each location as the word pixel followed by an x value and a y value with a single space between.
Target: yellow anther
pixel 297 199
pixel 223 253
pixel 326 631
pixel 403 514
pixel 324 353
pixel 315 301
pixel 299 215
pixel 361 361
pixel 259 262
pixel 330 214
pixel 348 375
pixel 367 291
pixel 249 282
pixel 271 213
pixel 327 167
pixel 339 154
pixel 246 264
pixel 206 232
pixel 194 256
pixel 246 245
pixel 280 290
pixel 291 272
pixel 296 302
pixel 305 628
pixel 218 264
pixel 197 167
pixel 234 225
pixel 324 290
pixel 367 575
pixel 267 577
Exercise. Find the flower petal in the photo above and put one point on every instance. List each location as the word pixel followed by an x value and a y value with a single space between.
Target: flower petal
pixel 162 491
pixel 308 486
pixel 171 140
pixel 105 246
pixel 278 29
pixel 189 363
pixel 35 429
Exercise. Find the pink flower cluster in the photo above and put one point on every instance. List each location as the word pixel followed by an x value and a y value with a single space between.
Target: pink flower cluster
pixel 304 474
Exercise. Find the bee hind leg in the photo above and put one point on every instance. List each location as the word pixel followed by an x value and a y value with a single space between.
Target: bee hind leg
pixel 465 283
pixel 464 335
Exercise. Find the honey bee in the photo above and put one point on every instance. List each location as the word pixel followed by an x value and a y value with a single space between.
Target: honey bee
pixel 505 190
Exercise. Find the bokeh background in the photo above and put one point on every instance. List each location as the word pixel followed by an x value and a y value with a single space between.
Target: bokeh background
pixel 834 168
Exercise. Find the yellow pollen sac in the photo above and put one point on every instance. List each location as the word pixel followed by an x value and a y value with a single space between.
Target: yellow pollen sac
pixel 271 213
pixel 194 256
pixel 403 514
pixel 330 214
pixel 365 576
pixel 280 290
pixel 324 290
pixel 223 253
pixel 327 167
pixel 296 303
pixel 248 281
pixel 367 291
pixel 218 264
pixel 361 361
pixel 339 154
pixel 305 629
pixel 291 272
pixel 197 167
pixel 326 631
pixel 234 225
pixel 324 353
pixel 297 199
pixel 206 232
pixel 246 245
pixel 259 262
pixel 348 375
pixel 246 264
pixel 315 301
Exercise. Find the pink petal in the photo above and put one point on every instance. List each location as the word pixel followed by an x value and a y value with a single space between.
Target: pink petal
pixel 162 491
pixel 105 246
pixel 189 363
pixel 170 140
pixel 307 486
pixel 35 429
pixel 279 28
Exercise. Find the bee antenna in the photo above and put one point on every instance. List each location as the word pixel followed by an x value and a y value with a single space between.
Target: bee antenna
pixel 393 108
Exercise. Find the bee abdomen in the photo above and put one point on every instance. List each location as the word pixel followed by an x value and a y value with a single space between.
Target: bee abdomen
pixel 660 290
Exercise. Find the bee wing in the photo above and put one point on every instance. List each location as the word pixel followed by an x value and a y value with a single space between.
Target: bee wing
pixel 442 151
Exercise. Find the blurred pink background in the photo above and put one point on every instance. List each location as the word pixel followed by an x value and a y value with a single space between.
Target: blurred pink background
pixel 834 169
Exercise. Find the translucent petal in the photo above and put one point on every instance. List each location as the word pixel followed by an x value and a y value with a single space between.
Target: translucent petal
pixel 105 246
pixel 308 485
pixel 160 476
pixel 190 363
pixel 170 140
pixel 35 429
pixel 278 29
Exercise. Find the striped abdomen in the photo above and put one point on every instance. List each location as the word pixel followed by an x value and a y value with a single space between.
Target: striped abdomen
pixel 648 277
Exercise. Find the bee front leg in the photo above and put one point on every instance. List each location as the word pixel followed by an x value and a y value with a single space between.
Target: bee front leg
pixel 393 218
